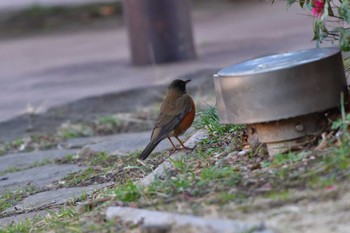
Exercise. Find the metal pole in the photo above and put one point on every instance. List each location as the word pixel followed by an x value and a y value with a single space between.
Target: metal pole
pixel 160 31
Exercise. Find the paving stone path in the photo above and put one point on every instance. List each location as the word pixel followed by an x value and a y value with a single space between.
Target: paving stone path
pixel 45 200
pixel 23 160
pixel 38 177
pixel 38 170
pixel 22 217
pixel 52 198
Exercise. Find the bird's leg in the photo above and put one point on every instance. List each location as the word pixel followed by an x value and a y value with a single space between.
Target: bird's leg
pixel 183 146
pixel 174 147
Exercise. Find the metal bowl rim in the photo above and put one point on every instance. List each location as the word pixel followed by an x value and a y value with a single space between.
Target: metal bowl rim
pixel 334 51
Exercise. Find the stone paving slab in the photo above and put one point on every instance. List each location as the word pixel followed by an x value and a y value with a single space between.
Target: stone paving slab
pixel 76 143
pixel 23 160
pixel 124 143
pixel 160 218
pixel 22 217
pixel 53 198
pixel 37 177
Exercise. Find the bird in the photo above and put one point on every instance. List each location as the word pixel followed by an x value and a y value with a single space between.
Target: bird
pixel 177 113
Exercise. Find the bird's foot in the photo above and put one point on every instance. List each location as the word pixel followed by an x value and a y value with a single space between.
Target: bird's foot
pixel 187 148
pixel 183 147
pixel 173 151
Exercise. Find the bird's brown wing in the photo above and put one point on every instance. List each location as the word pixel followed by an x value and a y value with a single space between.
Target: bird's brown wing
pixel 170 116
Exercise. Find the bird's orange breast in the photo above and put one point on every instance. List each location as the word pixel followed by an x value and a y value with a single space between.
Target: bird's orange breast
pixel 186 122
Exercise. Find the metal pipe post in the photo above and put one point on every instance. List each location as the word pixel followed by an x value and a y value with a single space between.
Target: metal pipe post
pixel 160 31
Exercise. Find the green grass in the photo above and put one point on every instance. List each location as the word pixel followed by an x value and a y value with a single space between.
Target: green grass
pixel 10 198
pixel 67 219
pixel 89 158
pixel 128 192
pixel 278 196
pixel 219 133
pixel 103 168
pixel 8 146
pixel 322 181
pixel 186 179
pixel 225 197
pixel 16 169
pixel 33 142
pixel 209 120
pixel 69 130
pixel 101 158
pixel 21 227
pixel 75 179
pixel 109 124
pixel 109 120
pixel 285 159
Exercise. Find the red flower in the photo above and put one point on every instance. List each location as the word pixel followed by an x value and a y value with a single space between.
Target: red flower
pixel 317 7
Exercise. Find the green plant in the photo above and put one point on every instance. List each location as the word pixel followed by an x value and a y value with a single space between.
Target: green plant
pixel 209 120
pixel 100 158
pixel 278 195
pixel 181 164
pixel 332 19
pixel 340 159
pixel 322 181
pixel 287 158
pixel 65 219
pixel 10 198
pixel 76 178
pixel 68 130
pixel 20 227
pixel 331 22
pixel 180 184
pixel 109 120
pixel 225 176
pixel 344 122
pixel 17 169
pixel 11 146
pixel 225 197
pixel 128 192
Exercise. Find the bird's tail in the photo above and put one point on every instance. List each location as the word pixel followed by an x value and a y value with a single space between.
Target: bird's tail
pixel 148 150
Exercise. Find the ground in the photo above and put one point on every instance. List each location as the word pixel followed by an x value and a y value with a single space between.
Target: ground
pixel 222 178
pixel 74 167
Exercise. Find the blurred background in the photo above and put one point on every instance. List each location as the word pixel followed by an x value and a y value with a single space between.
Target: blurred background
pixel 56 52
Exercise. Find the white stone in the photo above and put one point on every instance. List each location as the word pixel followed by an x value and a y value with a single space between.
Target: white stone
pixel 207 225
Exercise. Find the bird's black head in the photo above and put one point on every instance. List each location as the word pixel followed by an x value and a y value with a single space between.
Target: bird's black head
pixel 179 85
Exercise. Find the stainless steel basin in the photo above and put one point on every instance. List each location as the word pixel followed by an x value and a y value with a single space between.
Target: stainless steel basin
pixel 278 87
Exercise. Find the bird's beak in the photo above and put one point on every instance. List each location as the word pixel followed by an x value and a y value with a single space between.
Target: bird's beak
pixel 187 81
